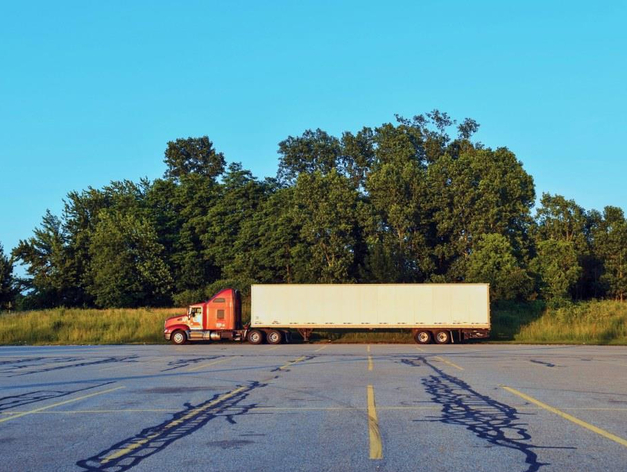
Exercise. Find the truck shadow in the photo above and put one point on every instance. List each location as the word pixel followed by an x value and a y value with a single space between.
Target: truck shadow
pixel 495 422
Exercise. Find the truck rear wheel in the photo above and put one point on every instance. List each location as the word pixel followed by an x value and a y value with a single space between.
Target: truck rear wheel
pixel 274 337
pixel 178 337
pixel 255 337
pixel 442 337
pixel 423 337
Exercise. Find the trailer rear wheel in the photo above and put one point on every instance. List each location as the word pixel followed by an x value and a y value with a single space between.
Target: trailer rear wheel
pixel 274 337
pixel 442 337
pixel 255 337
pixel 178 337
pixel 423 337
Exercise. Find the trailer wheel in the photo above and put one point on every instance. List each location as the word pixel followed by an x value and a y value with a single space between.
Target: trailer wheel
pixel 255 337
pixel 442 337
pixel 178 337
pixel 274 337
pixel 423 337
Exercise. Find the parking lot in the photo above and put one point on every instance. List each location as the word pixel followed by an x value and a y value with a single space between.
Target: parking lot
pixel 234 407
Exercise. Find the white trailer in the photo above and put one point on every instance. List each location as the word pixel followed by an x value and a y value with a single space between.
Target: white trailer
pixel 433 312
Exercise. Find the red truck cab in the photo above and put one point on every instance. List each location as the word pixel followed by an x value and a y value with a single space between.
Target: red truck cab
pixel 217 318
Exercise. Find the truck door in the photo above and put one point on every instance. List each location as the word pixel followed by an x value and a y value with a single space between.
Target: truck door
pixel 195 317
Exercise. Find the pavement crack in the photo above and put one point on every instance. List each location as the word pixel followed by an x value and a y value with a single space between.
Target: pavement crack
pixel 495 422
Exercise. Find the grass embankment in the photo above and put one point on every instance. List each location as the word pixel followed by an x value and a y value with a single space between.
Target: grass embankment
pixel 595 322
pixel 84 326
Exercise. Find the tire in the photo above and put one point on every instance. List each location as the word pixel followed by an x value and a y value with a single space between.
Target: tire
pixel 178 337
pixel 442 337
pixel 423 337
pixel 255 337
pixel 274 337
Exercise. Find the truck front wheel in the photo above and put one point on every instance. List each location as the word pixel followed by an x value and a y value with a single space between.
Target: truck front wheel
pixel 255 337
pixel 178 337
pixel 423 337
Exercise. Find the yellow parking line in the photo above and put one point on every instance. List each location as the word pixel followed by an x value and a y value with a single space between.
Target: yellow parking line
pixel 448 362
pixel 274 348
pixel 376 450
pixel 292 363
pixel 131 447
pixel 370 366
pixel 368 348
pixel 568 417
pixel 37 410
pixel 420 349
pixel 198 367
pixel 321 348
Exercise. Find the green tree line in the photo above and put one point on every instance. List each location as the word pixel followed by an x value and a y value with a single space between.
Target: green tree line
pixel 416 200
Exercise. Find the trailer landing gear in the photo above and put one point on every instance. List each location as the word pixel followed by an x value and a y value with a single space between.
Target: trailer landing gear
pixel 305 333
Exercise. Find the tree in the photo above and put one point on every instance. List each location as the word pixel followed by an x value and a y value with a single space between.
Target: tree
pixel 240 198
pixel 493 261
pixel 8 289
pixel 557 267
pixel 314 151
pixel 52 278
pixel 399 197
pixel 265 244
pixel 483 191
pixel 179 212
pixel 326 208
pixel 127 269
pixel 611 246
pixel 563 220
pixel 193 156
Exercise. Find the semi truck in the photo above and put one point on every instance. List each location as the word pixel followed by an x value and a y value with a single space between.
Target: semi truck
pixel 440 313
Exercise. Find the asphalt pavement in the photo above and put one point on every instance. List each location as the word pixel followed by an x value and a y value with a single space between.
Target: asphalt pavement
pixel 313 407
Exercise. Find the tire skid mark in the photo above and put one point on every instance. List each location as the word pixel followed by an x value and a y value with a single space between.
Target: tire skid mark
pixel 181 363
pixel 15 401
pixel 488 419
pixel 52 364
pixel 129 452
pixel 545 364
pixel 20 361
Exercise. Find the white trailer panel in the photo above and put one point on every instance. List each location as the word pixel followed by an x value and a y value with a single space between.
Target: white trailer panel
pixel 371 306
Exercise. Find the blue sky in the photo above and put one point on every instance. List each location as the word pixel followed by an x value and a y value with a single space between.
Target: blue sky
pixel 91 91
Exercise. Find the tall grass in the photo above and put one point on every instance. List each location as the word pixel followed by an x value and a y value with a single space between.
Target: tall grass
pixel 595 322
pixel 85 326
